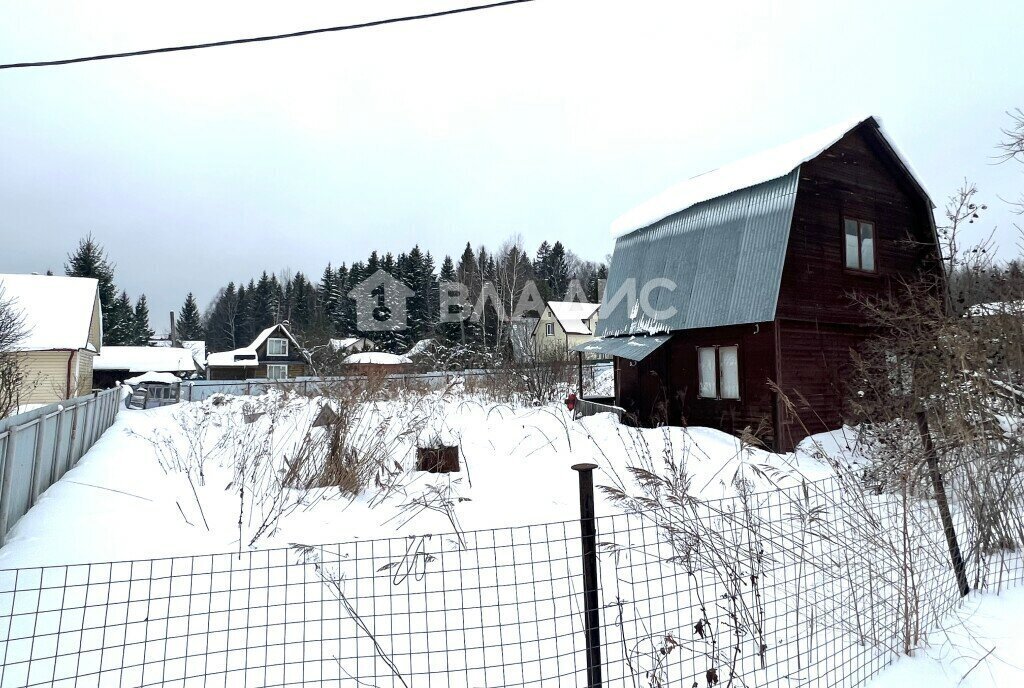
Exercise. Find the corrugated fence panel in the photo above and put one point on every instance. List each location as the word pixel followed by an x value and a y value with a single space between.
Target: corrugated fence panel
pixel 38 447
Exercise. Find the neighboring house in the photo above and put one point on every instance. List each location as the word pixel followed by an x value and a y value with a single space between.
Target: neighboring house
pixel 350 345
pixel 118 363
pixel 564 325
pixel 63 332
pixel 273 355
pixel 766 256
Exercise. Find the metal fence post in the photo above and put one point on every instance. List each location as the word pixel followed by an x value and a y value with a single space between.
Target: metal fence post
pixel 940 498
pixel 5 484
pixel 591 604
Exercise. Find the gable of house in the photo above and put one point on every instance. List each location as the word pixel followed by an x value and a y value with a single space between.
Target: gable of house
pixel 713 250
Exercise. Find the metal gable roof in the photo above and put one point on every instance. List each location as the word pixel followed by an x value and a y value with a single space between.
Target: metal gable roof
pixel 717 263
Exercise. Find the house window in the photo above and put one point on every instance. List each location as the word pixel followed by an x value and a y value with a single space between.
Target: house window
pixel 277 372
pixel 860 244
pixel 549 329
pixel 718 372
pixel 277 347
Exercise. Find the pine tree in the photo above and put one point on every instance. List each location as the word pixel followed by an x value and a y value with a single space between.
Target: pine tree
pixel 140 323
pixel 90 260
pixel 190 324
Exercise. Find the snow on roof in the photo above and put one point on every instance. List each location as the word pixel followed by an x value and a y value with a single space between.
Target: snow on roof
pixel 262 336
pixel 419 347
pixel 344 343
pixel 237 358
pixel 57 311
pixel 144 359
pixel 756 169
pixel 162 378
pixel 198 350
pixel 376 358
pixel 572 314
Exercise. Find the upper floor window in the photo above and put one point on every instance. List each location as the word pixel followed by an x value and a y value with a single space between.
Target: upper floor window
pixel 549 329
pixel 860 244
pixel 718 372
pixel 277 347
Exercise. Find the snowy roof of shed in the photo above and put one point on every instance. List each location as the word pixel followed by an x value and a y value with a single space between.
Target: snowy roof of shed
pixel 159 378
pixel 237 358
pixel 767 165
pixel 145 359
pixel 573 314
pixel 376 358
pixel 57 311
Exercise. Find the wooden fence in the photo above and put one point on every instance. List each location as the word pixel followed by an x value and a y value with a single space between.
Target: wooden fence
pixel 39 446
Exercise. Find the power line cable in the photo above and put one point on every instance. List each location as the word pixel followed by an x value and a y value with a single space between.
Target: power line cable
pixel 261 39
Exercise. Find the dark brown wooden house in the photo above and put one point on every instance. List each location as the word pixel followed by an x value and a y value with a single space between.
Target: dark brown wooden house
pixel 754 268
pixel 273 355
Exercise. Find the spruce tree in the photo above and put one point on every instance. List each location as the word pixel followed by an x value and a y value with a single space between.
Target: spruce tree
pixel 557 272
pixel 141 333
pixel 190 323
pixel 90 260
pixel 122 323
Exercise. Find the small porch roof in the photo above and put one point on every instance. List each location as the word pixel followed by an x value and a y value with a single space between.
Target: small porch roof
pixel 634 347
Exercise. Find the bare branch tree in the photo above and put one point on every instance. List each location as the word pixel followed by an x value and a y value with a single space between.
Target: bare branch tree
pixel 12 375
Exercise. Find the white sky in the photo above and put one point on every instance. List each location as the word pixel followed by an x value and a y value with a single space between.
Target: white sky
pixel 547 119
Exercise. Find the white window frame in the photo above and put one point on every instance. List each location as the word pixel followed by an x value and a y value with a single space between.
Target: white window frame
pixel 278 366
pixel 549 329
pixel 718 372
pixel 866 246
pixel 271 341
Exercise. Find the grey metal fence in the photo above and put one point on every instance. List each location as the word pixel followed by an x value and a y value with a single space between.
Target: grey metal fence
pixel 39 446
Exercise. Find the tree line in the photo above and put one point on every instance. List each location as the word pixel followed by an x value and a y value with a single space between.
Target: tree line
pixel 320 311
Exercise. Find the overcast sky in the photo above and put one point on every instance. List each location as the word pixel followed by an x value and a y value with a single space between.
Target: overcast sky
pixel 547 119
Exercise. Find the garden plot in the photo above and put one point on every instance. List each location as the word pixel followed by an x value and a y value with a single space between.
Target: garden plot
pixel 213 476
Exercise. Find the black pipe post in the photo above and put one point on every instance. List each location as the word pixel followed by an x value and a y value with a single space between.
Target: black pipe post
pixel 591 604
pixel 940 497
pixel 579 363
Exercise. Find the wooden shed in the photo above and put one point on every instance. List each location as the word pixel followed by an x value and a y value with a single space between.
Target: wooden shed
pixel 756 268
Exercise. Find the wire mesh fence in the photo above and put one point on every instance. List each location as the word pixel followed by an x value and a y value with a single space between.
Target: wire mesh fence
pixel 820 584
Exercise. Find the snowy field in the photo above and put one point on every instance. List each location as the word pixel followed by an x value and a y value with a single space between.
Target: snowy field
pixel 207 543
pixel 164 482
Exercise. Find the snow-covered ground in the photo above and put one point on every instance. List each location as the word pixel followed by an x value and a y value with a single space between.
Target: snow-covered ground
pixel 979 645
pixel 386 586
pixel 164 481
